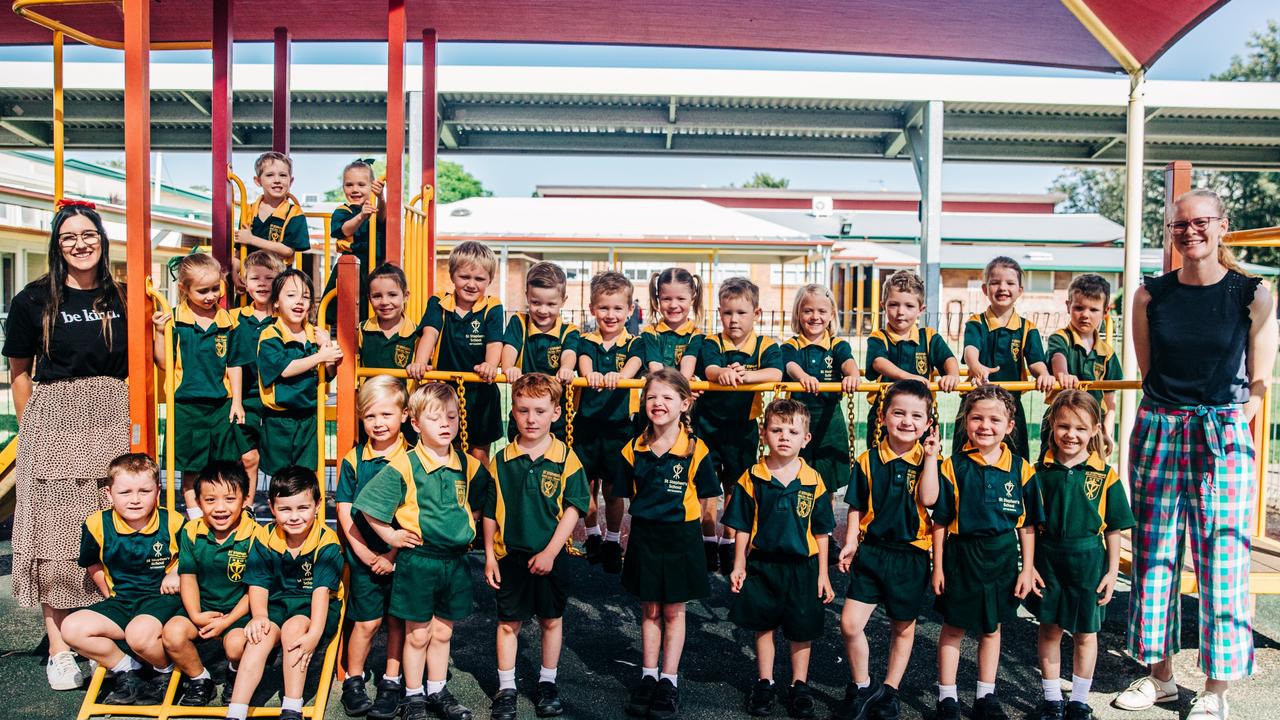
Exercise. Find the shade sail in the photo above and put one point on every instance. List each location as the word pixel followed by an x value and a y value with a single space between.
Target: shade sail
pixel 1035 32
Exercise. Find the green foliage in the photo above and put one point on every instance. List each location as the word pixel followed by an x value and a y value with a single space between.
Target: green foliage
pixel 765 180
pixel 452 180
pixel 1102 192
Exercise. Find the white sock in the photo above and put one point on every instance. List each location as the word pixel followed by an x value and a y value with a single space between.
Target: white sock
pixel 649 672
pixel 237 711
pixel 506 679
pixel 288 703
pixel 1080 689
pixel 672 678
pixel 231 667
pixel 126 664
pixel 863 685
pixel 204 675
pixel 985 689
pixel 611 536
pixel 711 539
pixel 547 674
pixel 414 691
pixel 397 679
pixel 1052 689
pixel 434 686
pixel 728 540
pixel 593 530
pixel 163 670
pixel 946 691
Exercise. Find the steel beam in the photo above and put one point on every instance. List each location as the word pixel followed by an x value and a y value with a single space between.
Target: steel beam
pixel 396 30
pixel 280 104
pixel 430 140
pixel 925 142
pixel 220 129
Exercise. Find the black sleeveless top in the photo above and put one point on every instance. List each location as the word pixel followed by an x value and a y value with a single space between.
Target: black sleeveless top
pixel 1198 336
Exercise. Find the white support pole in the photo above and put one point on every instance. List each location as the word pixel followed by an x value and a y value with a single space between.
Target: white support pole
pixel 1133 195
pixel 924 137
pixel 415 142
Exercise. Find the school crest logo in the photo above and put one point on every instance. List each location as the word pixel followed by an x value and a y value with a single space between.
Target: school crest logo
pixel 804 504
pixel 553 357
pixel 307 579
pixel 680 352
pixel 220 345
pixel 619 361
pixel 236 563
pixel 830 361
pixel 401 356
pixel 677 470
pixel 922 364
pixel 1093 481
pixel 912 480
pixel 275 232
pixel 475 325
pixel 549 482
pixel 460 489
pixel 1099 370
pixel 1008 488
pixel 1015 348
pixel 158 548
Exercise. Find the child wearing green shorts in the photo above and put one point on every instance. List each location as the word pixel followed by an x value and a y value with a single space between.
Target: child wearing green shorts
pixel 780 565
pixel 387 338
pixel 537 340
pixel 429 493
pixel 260 271
pixel 294 579
pixel 130 552
pixel 539 491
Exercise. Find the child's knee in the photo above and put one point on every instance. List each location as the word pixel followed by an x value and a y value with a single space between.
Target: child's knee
pixel 441 631
pixel 294 628
pixel 366 628
pixel 903 628
pixel 233 644
pixel 142 632
pixel 509 627
pixel 673 611
pixel 177 633
pixel 418 636
pixel 550 624
pixel 851 625
pixel 651 610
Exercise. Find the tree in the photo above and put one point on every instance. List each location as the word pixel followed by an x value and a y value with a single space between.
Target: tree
pixel 453 182
pixel 765 180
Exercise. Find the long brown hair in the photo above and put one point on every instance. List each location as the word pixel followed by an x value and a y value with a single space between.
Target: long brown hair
pixel 1083 403
pixel 673 379
pixel 110 295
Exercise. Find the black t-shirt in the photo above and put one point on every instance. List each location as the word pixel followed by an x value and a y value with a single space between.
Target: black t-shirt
pixel 78 347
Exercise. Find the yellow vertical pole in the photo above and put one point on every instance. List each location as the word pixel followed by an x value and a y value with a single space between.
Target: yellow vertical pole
pixel 59 130
pixel 709 302
pixel 1262 443
pixel 875 298
pixel 857 318
pixel 782 297
pixel 846 286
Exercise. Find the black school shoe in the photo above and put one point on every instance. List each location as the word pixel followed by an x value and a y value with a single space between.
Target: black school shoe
pixel 884 705
pixel 546 700
pixel 129 686
pixel 228 685
pixel 504 705
pixel 1078 711
pixel 800 702
pixel 447 707
pixel 386 704
pixel 726 559
pixel 666 701
pixel 415 708
pixel 355 699
pixel 947 709
pixel 988 708
pixel 152 692
pixel 1048 710
pixel 592 548
pixel 611 557
pixel 854 702
pixel 641 696
pixel 760 701
pixel 712 551
pixel 199 693
pixel 290 715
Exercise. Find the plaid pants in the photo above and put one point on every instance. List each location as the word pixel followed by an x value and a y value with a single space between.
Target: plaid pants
pixel 1193 464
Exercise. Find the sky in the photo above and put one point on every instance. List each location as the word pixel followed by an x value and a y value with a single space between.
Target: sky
pixel 1205 50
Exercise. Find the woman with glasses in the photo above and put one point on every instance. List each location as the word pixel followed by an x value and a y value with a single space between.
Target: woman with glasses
pixel 66 342
pixel 1205 339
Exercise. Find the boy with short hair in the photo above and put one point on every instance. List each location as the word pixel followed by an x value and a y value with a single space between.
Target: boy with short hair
pixel 462 330
pixel 1078 352
pixel 780 558
pixel 294 579
pixel 131 553
pixel 539 491
pixel 603 424
pixel 727 421
pixel 278 226
pixel 213 552
pixel 429 492
pixel 259 271
pixel 537 340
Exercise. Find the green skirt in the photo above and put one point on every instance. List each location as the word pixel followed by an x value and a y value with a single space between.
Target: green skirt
pixel 288 438
pixel 1071 569
pixel 665 562
pixel 202 433
pixel 828 451
pixel 980 573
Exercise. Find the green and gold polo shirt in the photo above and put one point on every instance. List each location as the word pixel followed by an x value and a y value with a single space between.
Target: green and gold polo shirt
pixel 1012 347
pixel 134 562
pixel 246 330
pixel 983 500
pixel 781 518
pixel 378 350
pixel 666 345
pixel 822 359
pixel 463 337
pixel 218 567
pixel 539 350
pixel 717 410
pixel 1099 362
pixel 295 576
pixel 884 494
pixel 277 347
pixel 360 465
pixel 1082 501
pixel 528 496
pixel 286 224
pixel 666 488
pixel 429 498
pixel 358 243
pixel 922 351
pixel 200 355
pixel 606 407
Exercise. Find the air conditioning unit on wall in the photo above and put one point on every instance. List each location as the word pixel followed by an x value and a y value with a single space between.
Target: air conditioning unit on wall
pixel 822 206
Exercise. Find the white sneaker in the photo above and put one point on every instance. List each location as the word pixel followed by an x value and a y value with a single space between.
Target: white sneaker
pixel 1209 706
pixel 64 672
pixel 1145 692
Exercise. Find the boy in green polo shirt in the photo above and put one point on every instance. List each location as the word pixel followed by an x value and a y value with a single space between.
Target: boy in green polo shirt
pixel 294 579
pixel 779 572
pixel 539 491
pixel 429 492
pixel 537 340
pixel 213 552
pixel 260 271
pixel 131 553
pixel 275 223
pixel 349 226
pixel 1078 352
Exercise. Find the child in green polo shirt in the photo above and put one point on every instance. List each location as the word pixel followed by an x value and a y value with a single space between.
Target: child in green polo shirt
pixel 349 226
pixel 387 339
pixel 294 579
pixel 130 552
pixel 289 351
pixel 462 331
pixel 207 401
pixel 275 223
pixel 1000 345
pixel 675 301
pixel 260 271
pixel 666 476
pixel 539 491
pixel 987 506
pixel 603 423
pixel 1078 352
pixel 429 492
pixel 733 357
pixel 213 552
pixel 537 340
pixel 901 350
pixel 381 402
pixel 1078 549
pixel 780 559
pixel 886 549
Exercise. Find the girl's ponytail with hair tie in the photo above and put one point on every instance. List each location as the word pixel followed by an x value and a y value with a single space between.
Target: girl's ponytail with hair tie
pixel 66 203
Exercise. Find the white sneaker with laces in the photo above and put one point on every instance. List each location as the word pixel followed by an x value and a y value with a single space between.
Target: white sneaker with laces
pixel 1209 706
pixel 64 672
pixel 1145 693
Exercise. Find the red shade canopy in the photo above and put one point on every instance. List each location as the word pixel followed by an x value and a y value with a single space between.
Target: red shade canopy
pixel 1036 32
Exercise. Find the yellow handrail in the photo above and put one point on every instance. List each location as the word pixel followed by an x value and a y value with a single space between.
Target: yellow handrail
pixel 169 389
pixel 321 396
pixel 1258 237
pixel 23 9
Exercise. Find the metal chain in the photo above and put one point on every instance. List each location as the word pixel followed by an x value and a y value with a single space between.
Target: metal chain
pixel 850 429
pixel 462 412
pixel 569 412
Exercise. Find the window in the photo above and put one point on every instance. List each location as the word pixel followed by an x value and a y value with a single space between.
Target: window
pixel 723 271
pixel 1038 281
pixel 794 274
pixel 576 270
pixel 640 272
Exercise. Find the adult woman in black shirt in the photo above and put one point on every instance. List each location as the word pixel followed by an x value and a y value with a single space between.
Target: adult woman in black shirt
pixel 66 341
pixel 1205 339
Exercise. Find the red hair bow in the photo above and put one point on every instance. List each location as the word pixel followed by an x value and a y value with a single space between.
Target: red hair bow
pixel 65 203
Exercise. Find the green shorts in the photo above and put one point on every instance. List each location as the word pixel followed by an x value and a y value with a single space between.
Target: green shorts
pixel 780 591
pixel 733 451
pixel 425 585
pixel 120 610
pixel 980 575
pixel 368 594
pixel 484 411
pixel 288 438
pixel 1017 440
pixel 251 428
pixel 601 451
pixel 828 451
pixel 523 595
pixel 895 575
pixel 237 625
pixel 665 562
pixel 280 609
pixel 202 433
pixel 1071 570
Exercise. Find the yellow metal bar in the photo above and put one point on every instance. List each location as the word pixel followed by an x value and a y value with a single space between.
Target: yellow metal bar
pixel 59 122
pixel 1262 445
pixel 1258 237
pixel 1103 35
pixel 857 318
pixel 373 235
pixel 23 9
pixel 322 396
pixel 875 298
pixel 169 363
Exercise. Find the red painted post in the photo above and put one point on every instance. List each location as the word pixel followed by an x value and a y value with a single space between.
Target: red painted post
pixel 220 132
pixel 348 300
pixel 1177 180
pixel 396 30
pixel 137 160
pixel 430 106
pixel 280 97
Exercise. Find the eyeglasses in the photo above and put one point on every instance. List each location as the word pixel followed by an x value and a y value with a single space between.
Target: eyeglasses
pixel 1179 227
pixel 90 238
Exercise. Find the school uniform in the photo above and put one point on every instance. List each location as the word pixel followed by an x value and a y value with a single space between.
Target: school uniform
pixel 603 422
pixel 981 506
pixel 377 350
pixel 664 344
pixel 134 563
pixel 1081 504
pixel 461 347
pixel 202 429
pixel 218 567
pixel 828 451
pixel 539 351
pixel 730 420
pixel 370 593
pixel 527 500
pixel 246 330
pixel 287 224
pixel 892 567
pixel 781 587
pixel 922 351
pixel 665 561
pixel 1012 347
pixel 356 244
pixel 291 579
pixel 434 500
pixel 289 416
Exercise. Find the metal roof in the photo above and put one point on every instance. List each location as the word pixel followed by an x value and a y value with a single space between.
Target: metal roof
pixel 1030 228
